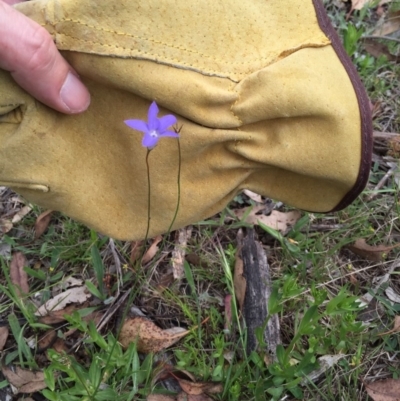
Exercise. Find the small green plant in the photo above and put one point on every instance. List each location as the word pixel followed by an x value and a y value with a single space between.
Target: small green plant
pixel 113 374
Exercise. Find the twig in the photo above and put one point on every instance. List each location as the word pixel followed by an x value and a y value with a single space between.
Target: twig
pixel 385 135
pixel 105 319
pixel 381 37
pixel 368 296
pixel 381 183
pixel 326 227
pixel 117 263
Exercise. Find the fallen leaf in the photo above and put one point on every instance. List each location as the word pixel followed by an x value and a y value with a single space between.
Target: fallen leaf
pixel 3 336
pixel 182 396
pixel 384 390
pixel 396 327
pixel 253 196
pixel 359 4
pixel 239 281
pixel 25 381
pixel 68 282
pixel 5 226
pixel 47 340
pixel 5 250
pixel 392 295
pixel 178 254
pixel 136 249
pixel 378 49
pixel 21 213
pixel 277 220
pixel 148 336
pixel 76 295
pixel 325 362
pixel 42 222
pixel 152 251
pixel 392 24
pixel 58 316
pixel 18 275
pixel 228 313
pixel 370 252
pixel 197 388
pixel 160 397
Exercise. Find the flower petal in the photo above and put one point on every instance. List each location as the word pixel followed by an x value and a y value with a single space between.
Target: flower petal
pixel 152 117
pixel 165 122
pixel 169 133
pixel 138 125
pixel 149 141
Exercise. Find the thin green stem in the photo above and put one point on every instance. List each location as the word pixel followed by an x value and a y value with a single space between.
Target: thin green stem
pixel 148 195
pixel 179 187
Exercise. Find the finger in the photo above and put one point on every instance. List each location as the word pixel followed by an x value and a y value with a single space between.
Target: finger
pixel 12 2
pixel 27 50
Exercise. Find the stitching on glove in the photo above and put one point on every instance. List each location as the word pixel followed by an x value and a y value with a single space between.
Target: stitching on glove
pixel 283 54
pixel 10 105
pixel 234 90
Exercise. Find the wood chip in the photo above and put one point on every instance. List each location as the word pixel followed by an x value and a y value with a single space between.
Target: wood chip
pixel 18 275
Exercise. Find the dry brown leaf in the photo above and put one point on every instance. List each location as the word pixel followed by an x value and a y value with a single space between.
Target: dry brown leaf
pixel 18 275
pixel 384 390
pixel 151 252
pixel 392 295
pixel 239 281
pixel 160 397
pixel 21 214
pixel 396 327
pixel 378 49
pixel 68 282
pixel 197 388
pixel 359 4
pixel 3 336
pixel 136 250
pixel 25 381
pixel 47 339
pixel 228 313
pixel 370 252
pixel 5 226
pixel 391 25
pixel 253 196
pixel 58 316
pixel 76 295
pixel 276 220
pixel 182 396
pixel 42 222
pixel 178 254
pixel 148 337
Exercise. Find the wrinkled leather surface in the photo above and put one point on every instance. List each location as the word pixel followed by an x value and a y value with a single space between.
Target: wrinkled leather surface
pixel 263 100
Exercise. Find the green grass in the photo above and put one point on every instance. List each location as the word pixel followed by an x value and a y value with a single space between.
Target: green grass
pixel 317 283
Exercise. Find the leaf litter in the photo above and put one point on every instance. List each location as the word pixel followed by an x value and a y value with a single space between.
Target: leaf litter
pixel 75 295
pixel 18 275
pixel 42 222
pixel 3 336
pixel 24 381
pixel 277 220
pixel 148 336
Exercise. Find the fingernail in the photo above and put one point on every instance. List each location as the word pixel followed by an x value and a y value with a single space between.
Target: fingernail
pixel 74 94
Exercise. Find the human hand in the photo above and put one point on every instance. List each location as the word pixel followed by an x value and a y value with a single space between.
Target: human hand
pixel 27 50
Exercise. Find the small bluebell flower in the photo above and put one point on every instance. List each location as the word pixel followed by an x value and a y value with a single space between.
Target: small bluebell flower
pixel 155 128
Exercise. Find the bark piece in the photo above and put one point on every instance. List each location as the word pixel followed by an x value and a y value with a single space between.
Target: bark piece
pixel 258 290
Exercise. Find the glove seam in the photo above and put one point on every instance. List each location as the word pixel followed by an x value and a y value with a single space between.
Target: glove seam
pixel 232 75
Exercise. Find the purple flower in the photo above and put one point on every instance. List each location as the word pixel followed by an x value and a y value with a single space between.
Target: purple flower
pixel 155 128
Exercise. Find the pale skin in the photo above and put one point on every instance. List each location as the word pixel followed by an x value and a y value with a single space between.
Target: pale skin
pixel 28 52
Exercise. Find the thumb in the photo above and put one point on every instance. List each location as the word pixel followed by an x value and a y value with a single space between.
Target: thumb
pixel 27 50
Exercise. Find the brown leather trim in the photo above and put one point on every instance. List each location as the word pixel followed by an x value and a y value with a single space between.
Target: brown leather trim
pixel 363 103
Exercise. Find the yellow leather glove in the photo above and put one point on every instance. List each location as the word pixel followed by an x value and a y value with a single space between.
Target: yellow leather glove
pixel 266 97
